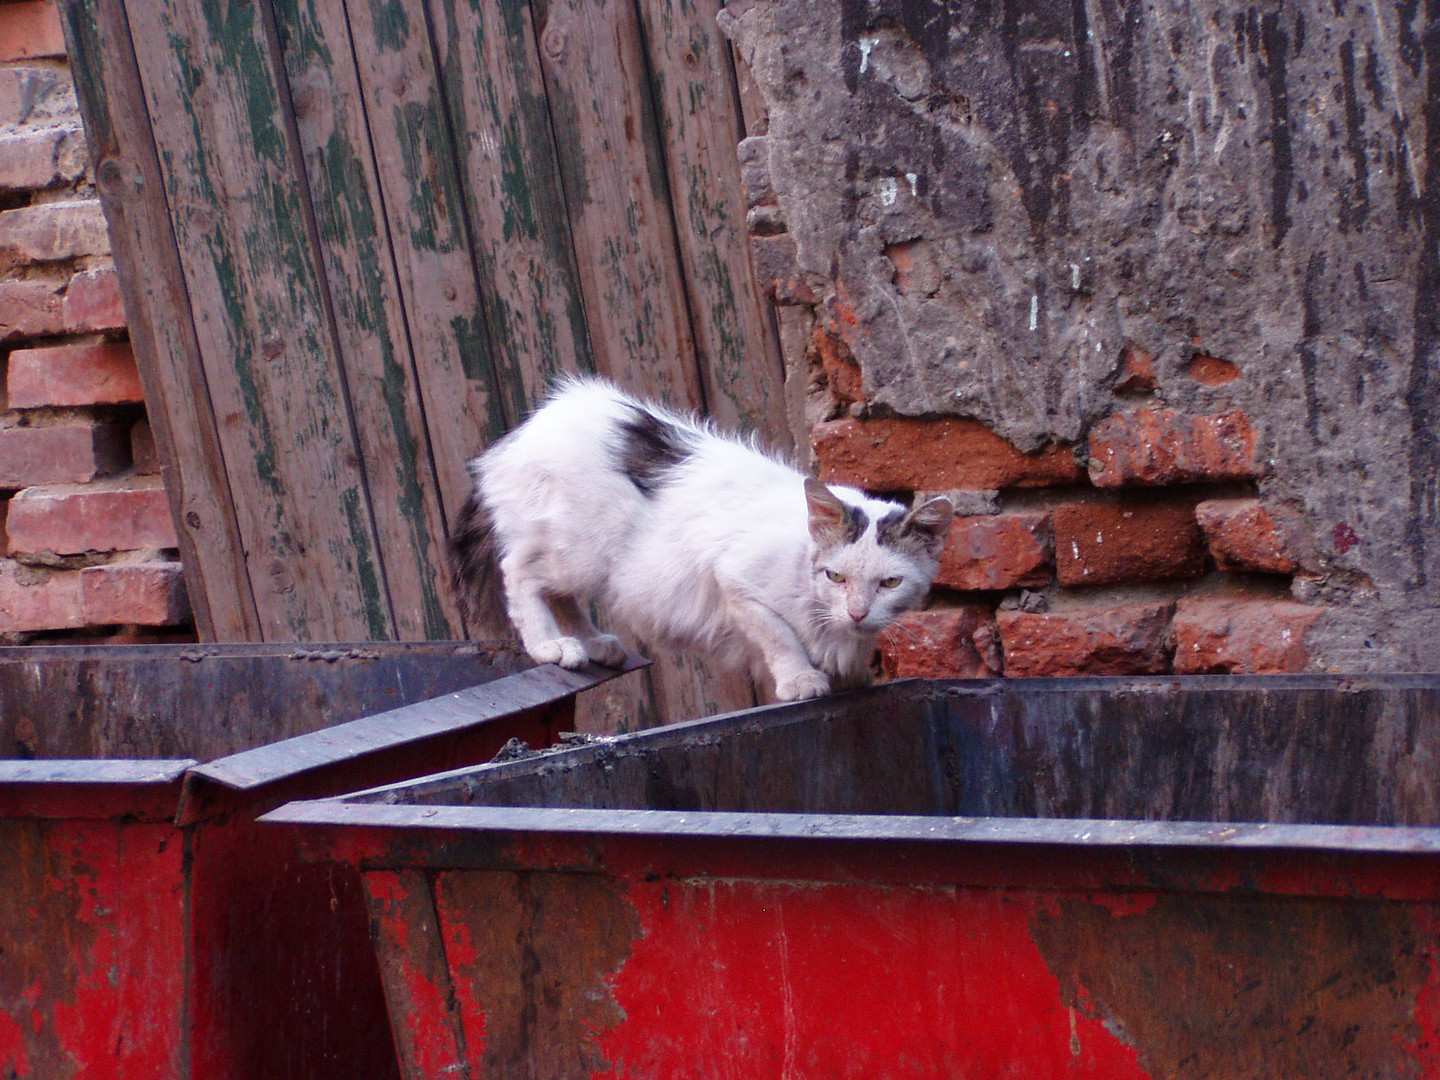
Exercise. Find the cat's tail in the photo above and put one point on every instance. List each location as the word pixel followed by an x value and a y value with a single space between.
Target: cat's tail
pixel 475 572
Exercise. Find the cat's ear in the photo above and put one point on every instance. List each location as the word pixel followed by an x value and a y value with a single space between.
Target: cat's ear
pixel 832 523
pixel 930 524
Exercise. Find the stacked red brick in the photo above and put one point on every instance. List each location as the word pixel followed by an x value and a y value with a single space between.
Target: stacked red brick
pixel 86 542
pixel 1144 552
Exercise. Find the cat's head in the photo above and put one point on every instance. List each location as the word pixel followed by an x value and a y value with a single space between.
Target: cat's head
pixel 871 559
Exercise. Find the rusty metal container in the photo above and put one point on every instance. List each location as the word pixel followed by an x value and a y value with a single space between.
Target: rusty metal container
pixel 1220 877
pixel 148 927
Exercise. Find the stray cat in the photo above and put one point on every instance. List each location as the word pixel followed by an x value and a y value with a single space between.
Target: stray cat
pixel 688 538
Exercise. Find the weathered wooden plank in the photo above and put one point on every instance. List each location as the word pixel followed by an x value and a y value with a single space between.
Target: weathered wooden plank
pixel 698 107
pixel 417 166
pixel 617 196
pixel 371 327
pixel 495 94
pixel 239 210
pixel 157 308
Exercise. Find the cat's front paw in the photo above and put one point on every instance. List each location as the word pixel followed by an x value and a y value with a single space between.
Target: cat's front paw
pixel 568 652
pixel 803 685
pixel 606 649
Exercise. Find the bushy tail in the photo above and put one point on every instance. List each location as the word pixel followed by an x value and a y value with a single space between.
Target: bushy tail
pixel 475 571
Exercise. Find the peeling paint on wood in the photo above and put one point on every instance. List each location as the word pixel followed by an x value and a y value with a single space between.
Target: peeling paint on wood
pixel 127 170
pixel 491 80
pixel 233 181
pixel 370 324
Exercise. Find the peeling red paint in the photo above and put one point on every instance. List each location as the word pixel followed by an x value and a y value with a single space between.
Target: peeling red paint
pixel 763 978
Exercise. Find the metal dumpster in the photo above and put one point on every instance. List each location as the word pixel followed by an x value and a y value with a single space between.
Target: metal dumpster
pixel 1165 877
pixel 148 927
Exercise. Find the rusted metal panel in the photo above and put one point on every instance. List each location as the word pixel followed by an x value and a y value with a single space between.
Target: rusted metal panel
pixel 210 701
pixel 148 926
pixel 513 694
pixel 418 990
pixel 638 907
pixel 92 982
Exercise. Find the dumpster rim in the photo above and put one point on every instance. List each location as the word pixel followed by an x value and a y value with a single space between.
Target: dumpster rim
pixel 1065 832
pixel 431 717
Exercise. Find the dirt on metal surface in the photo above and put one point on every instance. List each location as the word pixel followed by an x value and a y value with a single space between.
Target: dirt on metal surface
pixel 535 955
pixel 1215 986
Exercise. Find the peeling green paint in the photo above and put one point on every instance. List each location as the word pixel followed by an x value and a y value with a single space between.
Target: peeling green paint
pixel 373 605
pixel 391 22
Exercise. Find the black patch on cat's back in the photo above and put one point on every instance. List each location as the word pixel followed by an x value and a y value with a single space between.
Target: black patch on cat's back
pixel 651 448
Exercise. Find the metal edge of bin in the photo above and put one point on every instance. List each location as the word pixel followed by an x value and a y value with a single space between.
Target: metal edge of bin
pixel 140 790
pixel 704 730
pixel 585 821
pixel 436 717
pixel 1047 854
pixel 701 731
pixel 381 811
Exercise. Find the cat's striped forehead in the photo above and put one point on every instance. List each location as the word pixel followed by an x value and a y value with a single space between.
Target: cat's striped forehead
pixel 888 518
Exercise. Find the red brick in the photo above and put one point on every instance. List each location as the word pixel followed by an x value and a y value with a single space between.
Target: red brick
pixel 932 455
pixel 31 308
pixel 1125 640
pixel 143 594
pixel 29 29
pixel 125 515
pixel 1103 544
pixel 36 95
pixel 841 370
pixel 1254 637
pixel 54 231
pixel 31 160
pixel 1244 535
pixel 95 374
pixel 37 599
pixel 1161 446
pixel 944 643
pixel 1211 370
pixel 144 457
pixel 1137 370
pixel 92 302
pixel 68 453
pixel 997 551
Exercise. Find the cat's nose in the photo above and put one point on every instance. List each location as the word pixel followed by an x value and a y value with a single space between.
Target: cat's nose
pixel 858 615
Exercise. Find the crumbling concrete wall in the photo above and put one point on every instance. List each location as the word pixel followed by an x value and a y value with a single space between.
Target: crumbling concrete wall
pixel 1192 247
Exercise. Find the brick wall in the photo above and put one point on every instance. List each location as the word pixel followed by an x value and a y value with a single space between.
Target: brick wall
pixel 1143 548
pixel 1125 280
pixel 87 548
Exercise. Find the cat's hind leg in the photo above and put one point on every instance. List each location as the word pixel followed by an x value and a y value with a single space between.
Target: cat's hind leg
pixel 539 632
pixel 603 648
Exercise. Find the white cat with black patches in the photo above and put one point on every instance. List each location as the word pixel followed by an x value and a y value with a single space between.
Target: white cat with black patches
pixel 690 539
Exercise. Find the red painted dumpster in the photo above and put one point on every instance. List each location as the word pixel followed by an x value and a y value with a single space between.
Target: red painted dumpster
pixel 1225 877
pixel 148 927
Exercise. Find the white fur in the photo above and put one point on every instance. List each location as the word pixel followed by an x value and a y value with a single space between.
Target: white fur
pixel 718 559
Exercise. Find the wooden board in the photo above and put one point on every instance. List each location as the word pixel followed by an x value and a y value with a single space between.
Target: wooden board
pixel 157 307
pixel 418 170
pixel 492 83
pixel 737 349
pixel 233 179
pixel 618 199
pixel 362 295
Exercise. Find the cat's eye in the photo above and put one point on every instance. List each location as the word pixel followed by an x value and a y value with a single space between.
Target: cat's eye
pixel 835 576
pixel 890 583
